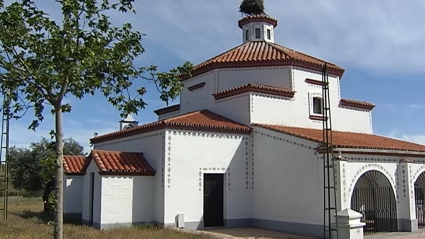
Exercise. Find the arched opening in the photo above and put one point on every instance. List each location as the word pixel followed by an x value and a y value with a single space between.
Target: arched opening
pixel 420 200
pixel 373 196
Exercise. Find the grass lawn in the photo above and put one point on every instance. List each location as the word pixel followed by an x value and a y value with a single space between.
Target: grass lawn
pixel 26 221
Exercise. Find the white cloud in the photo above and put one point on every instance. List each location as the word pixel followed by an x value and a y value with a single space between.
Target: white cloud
pixel 415 138
pixel 415 106
pixel 378 35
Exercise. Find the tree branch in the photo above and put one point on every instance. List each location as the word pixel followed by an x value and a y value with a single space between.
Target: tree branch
pixel 48 95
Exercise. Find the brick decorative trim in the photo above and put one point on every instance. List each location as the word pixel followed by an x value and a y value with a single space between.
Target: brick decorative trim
pixel 270 90
pixel 314 82
pixel 123 173
pixel 356 104
pixel 317 117
pixel 168 109
pixel 257 18
pixel 195 87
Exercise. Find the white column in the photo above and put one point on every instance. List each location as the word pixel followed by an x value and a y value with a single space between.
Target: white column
pixel 349 224
pixel 406 207
pixel 341 184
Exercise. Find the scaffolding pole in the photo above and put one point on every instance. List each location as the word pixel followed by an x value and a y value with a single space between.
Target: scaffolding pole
pixel 330 192
pixel 4 152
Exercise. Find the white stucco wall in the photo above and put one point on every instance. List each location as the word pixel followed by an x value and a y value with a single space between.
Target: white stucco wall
pixel 296 111
pixel 263 31
pixel 288 183
pixel 169 115
pixel 73 194
pixel 190 156
pixel 198 99
pixel 152 145
pixel 223 79
pixel 271 76
pixel 236 108
pixel 127 200
pixel 92 168
pixel 268 109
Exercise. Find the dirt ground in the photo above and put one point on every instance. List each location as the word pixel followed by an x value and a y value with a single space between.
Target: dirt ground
pixel 26 221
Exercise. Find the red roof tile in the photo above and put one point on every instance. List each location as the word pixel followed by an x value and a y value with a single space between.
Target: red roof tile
pixel 73 164
pixel 348 139
pixel 199 120
pixel 262 54
pixel 356 104
pixel 121 163
pixel 271 90
pixel 257 18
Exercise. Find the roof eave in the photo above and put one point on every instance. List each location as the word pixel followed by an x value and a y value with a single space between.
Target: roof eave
pixel 75 173
pixel 123 134
pixel 266 63
pixel 124 173
pixel 250 88
pixel 376 151
pixel 166 110
pixel 203 128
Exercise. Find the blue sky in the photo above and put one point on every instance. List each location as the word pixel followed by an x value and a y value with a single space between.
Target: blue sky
pixel 378 43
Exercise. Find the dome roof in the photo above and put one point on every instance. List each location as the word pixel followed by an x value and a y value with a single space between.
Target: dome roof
pixel 263 54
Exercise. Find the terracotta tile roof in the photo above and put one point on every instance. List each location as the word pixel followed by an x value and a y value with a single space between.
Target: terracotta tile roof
pixel 348 139
pixel 257 18
pixel 168 109
pixel 262 54
pixel 73 164
pixel 120 163
pixel 356 104
pixel 203 120
pixel 271 90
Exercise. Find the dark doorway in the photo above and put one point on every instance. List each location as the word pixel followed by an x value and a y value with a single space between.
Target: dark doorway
pixel 91 198
pixel 213 200
pixel 420 206
pixel 420 200
pixel 373 197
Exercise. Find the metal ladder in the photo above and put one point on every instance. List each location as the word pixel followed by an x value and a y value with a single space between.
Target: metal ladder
pixel 4 150
pixel 330 193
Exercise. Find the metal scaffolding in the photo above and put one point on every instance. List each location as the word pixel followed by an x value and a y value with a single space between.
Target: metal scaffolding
pixel 4 151
pixel 330 192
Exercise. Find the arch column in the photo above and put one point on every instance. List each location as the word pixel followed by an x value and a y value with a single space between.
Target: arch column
pixel 342 195
pixel 406 199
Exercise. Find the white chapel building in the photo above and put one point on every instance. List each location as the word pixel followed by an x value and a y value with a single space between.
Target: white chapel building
pixel 241 150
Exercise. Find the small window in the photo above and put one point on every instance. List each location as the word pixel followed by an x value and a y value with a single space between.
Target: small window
pixel 317 105
pixel 247 35
pixel 269 34
pixel 257 33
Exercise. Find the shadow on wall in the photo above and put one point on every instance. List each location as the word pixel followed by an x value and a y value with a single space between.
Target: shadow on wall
pixel 73 199
pixel 143 200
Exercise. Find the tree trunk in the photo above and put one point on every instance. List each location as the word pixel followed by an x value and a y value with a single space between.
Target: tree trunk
pixel 58 231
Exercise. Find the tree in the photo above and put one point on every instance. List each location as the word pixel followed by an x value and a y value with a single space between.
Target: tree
pixel 252 7
pixel 72 147
pixel 32 169
pixel 43 61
